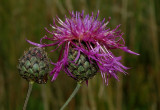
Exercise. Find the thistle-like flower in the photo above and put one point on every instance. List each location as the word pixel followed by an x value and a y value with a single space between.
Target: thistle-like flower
pixel 34 67
pixel 86 47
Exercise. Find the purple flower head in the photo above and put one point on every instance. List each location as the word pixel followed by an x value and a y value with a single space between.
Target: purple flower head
pixel 98 38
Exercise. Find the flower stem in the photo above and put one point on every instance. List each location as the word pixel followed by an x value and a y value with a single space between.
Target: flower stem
pixel 28 95
pixel 72 95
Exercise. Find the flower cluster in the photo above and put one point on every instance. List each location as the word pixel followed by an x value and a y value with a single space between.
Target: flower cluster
pixel 90 36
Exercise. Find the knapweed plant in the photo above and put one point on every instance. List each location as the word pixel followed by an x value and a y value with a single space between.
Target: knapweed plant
pixel 34 67
pixel 86 44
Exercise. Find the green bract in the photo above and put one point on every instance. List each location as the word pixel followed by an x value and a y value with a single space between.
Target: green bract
pixel 34 65
pixel 83 68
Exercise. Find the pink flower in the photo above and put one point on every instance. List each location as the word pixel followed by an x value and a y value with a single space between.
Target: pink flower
pixel 98 38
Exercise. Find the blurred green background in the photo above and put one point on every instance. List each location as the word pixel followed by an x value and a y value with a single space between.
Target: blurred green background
pixel 139 90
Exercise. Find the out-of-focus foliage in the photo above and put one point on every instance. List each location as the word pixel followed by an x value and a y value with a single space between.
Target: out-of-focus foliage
pixel 139 90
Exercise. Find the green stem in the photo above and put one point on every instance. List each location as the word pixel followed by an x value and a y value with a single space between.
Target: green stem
pixel 28 95
pixel 72 95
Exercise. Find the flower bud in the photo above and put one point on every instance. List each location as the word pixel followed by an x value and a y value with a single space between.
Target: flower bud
pixel 34 65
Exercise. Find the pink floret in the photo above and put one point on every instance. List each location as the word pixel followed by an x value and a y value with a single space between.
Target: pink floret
pixel 98 38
